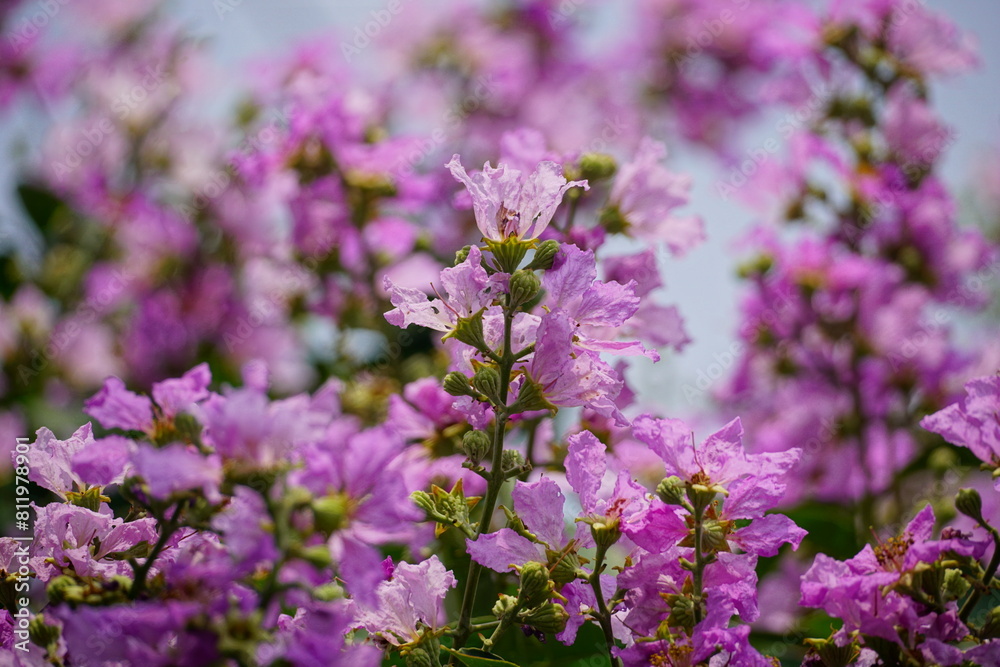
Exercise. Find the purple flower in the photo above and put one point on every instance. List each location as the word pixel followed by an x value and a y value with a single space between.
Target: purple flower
pixel 599 309
pixel 409 603
pixel 569 376
pixel 117 407
pixel 646 194
pixel 974 421
pixel 468 291
pixel 79 538
pixel 508 204
pixel 177 468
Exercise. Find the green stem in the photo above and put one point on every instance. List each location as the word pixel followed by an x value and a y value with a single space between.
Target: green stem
pixel 495 480
pixel 603 613
pixel 142 571
pixel 991 570
pixel 699 564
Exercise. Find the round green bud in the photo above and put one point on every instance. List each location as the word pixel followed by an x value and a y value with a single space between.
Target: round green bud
pixel 504 605
pixel 563 567
pixel 419 657
pixel 462 255
pixel 476 445
pixel 457 384
pixel 524 286
pixel 536 586
pixel 511 460
pixel 671 490
pixel 544 254
pixel 970 503
pixel 330 513
pixel 549 618
pixel 487 382
pixel 597 166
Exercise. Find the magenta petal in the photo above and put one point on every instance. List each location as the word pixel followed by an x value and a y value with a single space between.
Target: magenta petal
pixel 502 550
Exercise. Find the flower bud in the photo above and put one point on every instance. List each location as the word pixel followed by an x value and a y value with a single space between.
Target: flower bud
pixel 544 254
pixel 476 445
pixel 524 286
pixel 42 634
pixel 504 605
pixel 597 166
pixel 671 490
pixel 682 609
pixel 955 586
pixel 511 460
pixel 613 221
pixel 549 618
pixel 563 565
pixel 487 382
pixel 330 513
pixel 419 657
pixel 457 384
pixel 970 503
pixel 536 586
pixel 462 255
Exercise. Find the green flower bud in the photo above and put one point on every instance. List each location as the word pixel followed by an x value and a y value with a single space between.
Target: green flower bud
pixel 713 536
pixel 524 286
pixel 671 490
pixel 613 220
pixel 536 586
pixel 487 382
pixel 563 566
pixel 330 513
pixel 457 384
pixel 544 254
pixel 42 634
pixel 476 445
pixel 511 460
pixel 505 605
pixel 597 166
pixel 317 556
pixel 64 589
pixel 970 503
pixel 462 255
pixel 682 609
pixel 549 618
pixel 419 657
pixel 955 585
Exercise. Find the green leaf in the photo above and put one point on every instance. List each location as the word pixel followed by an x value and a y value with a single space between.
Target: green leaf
pixel 474 657
pixel 140 550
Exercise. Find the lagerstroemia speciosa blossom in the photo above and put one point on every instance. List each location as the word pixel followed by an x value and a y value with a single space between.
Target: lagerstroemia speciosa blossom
pixel 353 401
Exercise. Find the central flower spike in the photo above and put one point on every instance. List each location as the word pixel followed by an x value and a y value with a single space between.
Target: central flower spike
pixel 508 204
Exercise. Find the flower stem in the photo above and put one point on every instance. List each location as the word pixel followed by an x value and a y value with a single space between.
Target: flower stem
pixel 699 564
pixel 495 479
pixel 603 613
pixel 142 571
